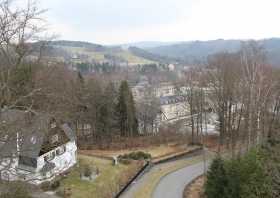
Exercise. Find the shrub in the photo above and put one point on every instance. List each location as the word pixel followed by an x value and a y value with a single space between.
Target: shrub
pixel 255 182
pixel 45 186
pixel 125 161
pixel 244 177
pixel 87 171
pixel 55 184
pixel 139 155
pixel 50 185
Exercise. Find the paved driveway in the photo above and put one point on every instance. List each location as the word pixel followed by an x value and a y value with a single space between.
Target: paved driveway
pixel 173 184
pixel 140 182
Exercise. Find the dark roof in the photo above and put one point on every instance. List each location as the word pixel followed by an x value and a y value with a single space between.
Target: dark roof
pixel 27 132
pixel 11 122
pixel 165 100
pixel 69 132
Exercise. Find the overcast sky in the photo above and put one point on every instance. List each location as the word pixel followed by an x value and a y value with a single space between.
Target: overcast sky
pixel 122 21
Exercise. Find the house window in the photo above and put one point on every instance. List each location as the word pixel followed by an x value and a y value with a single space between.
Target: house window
pixel 5 137
pixel 33 140
pixel 53 125
pixel 49 156
pixel 28 161
pixel 54 138
pixel 61 150
pixel 5 175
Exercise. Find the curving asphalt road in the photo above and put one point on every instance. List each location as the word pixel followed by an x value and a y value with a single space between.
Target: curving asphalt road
pixel 173 184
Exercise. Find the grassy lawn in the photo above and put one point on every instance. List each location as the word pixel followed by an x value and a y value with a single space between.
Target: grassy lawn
pixel 128 56
pixel 155 151
pixel 105 185
pixel 99 56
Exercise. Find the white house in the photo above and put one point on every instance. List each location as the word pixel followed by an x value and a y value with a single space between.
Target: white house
pixel 34 147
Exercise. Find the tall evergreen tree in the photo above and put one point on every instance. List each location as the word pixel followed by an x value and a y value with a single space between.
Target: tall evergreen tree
pixel 107 111
pixel 216 180
pixel 80 106
pixel 94 104
pixel 125 109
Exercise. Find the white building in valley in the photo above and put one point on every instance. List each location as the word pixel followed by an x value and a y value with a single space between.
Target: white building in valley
pixel 34 147
pixel 144 88
pixel 172 99
pixel 173 108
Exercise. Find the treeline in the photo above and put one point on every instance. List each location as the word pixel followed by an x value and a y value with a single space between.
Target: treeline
pixel 243 90
pixel 97 108
pixel 107 109
pixel 101 68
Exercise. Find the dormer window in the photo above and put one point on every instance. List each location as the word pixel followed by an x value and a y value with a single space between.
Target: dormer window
pixel 49 157
pixel 54 138
pixel 53 125
pixel 5 138
pixel 33 140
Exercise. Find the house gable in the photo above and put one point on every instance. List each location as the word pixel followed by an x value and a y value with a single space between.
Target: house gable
pixel 55 137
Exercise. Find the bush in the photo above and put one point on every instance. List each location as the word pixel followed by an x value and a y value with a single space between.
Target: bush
pixel 45 186
pixel 53 185
pixel 254 180
pixel 87 171
pixel 139 155
pixel 16 190
pixel 125 161
pixel 243 177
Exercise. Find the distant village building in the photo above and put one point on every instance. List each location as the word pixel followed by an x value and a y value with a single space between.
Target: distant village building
pixel 165 89
pixel 171 67
pixel 172 99
pixel 144 88
pixel 173 108
pixel 173 104
pixel 34 147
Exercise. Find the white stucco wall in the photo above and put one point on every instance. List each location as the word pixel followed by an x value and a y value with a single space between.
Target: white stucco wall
pixel 62 163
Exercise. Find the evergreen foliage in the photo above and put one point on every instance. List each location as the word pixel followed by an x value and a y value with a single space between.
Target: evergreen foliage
pixel 244 177
pixel 107 111
pixel 216 180
pixel 125 109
